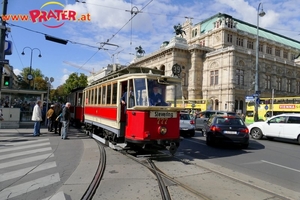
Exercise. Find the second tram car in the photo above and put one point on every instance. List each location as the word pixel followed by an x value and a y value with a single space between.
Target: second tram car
pixel 76 109
pixel 138 121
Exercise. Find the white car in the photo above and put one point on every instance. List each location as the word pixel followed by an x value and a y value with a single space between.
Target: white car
pixel 187 127
pixel 280 126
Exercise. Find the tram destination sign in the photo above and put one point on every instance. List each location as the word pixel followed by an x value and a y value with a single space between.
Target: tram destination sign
pixel 162 114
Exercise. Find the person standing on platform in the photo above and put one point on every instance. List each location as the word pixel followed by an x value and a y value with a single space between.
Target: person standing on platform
pixel 51 118
pixel 65 118
pixel 37 118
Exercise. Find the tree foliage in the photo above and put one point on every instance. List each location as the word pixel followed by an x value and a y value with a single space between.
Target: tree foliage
pixel 74 81
pixel 38 82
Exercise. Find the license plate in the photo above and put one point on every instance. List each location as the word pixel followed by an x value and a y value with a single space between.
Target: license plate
pixel 230 132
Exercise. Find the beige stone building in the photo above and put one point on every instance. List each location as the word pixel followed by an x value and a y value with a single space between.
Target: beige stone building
pixel 217 57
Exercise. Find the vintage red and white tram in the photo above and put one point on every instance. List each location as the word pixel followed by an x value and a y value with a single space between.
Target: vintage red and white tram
pixel 137 123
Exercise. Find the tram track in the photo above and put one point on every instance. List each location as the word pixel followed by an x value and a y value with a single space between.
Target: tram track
pixel 89 193
pixel 161 177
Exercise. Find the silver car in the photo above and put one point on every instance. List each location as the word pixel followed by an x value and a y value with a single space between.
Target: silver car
pixel 187 125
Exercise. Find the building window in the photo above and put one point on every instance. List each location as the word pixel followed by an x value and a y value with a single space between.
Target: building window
pixel 285 54
pixel 250 44
pixel 214 77
pixel 268 81
pixel 293 56
pixel 269 50
pixel 277 52
pixel 298 87
pixel 289 85
pixel 229 38
pixel 239 77
pixel 261 47
pixel 279 81
pixel 202 42
pixel 239 41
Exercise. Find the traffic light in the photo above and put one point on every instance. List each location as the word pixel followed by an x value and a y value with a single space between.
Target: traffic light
pixel 6 81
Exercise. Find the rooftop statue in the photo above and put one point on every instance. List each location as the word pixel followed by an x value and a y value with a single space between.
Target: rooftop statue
pixel 139 51
pixel 178 30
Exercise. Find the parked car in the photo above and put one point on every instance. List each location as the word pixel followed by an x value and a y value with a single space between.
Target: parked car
pixel 187 127
pixel 227 129
pixel 280 126
pixel 202 118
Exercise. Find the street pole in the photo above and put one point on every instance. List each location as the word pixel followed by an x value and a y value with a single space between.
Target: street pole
pixel 2 43
pixel 260 13
pixel 49 81
pixel 29 76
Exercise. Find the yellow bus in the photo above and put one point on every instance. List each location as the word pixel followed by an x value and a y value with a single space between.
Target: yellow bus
pixel 194 104
pixel 268 109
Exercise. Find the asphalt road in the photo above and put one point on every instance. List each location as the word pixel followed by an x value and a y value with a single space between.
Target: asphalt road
pixel 277 162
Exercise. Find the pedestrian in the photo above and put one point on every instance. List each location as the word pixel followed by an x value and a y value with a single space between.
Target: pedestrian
pixel 65 118
pixel 243 117
pixel 51 118
pixel 57 123
pixel 37 118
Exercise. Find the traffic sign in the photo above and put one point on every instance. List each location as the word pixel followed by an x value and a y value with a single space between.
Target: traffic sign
pixel 4 61
pixel 249 98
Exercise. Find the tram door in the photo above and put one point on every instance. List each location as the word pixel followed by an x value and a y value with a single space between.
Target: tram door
pixel 122 108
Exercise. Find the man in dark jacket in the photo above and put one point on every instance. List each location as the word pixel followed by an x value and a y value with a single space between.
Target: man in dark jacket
pixel 65 119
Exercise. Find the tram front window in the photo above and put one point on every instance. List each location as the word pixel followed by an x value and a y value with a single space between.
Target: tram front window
pixel 157 93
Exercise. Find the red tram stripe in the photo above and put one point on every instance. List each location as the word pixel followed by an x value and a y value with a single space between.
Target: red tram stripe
pixel 104 112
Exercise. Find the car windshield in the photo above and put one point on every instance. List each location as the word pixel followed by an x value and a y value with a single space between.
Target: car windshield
pixel 229 121
pixel 185 117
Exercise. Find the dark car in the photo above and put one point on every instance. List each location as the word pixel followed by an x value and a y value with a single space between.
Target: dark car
pixel 227 129
pixel 202 118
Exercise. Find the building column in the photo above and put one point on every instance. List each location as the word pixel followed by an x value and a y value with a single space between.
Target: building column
pixel 195 75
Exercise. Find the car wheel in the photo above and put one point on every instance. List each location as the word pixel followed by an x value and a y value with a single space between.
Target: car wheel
pixel 209 141
pixel 256 133
pixel 270 138
pixel 299 139
pixel 192 133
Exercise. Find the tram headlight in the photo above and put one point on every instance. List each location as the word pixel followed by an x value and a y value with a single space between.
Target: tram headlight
pixel 162 130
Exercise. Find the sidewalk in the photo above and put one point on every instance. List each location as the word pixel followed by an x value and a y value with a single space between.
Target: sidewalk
pixel 79 181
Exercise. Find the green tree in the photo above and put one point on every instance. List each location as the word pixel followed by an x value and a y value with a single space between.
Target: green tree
pixel 22 78
pixel 59 94
pixel 75 81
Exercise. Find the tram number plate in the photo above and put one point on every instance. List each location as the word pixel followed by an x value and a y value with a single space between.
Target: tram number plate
pixel 162 114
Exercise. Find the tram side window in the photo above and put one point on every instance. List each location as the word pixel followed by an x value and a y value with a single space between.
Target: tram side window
pixel 99 95
pixel 92 96
pixel 114 93
pixel 140 92
pixel 108 99
pixel 79 100
pixel 104 95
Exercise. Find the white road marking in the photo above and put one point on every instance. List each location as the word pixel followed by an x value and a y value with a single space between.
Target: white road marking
pixel 11 155
pixel 12 143
pixel 21 172
pixel 296 170
pixel 25 160
pixel 29 186
pixel 23 147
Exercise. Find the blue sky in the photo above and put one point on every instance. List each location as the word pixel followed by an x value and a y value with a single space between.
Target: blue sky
pixel 110 21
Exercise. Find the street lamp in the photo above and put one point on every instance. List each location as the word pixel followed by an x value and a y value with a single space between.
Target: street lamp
pixel 29 76
pixel 260 13
pixel 49 81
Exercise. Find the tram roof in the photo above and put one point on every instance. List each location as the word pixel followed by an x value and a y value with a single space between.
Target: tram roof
pixel 128 70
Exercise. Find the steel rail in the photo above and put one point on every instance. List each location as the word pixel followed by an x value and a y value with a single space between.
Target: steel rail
pixel 89 193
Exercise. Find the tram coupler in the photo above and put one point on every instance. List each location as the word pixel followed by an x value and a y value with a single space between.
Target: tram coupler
pixel 172 148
